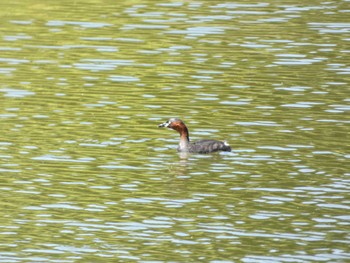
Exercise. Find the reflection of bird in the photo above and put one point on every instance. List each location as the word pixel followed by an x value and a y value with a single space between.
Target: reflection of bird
pixel 202 146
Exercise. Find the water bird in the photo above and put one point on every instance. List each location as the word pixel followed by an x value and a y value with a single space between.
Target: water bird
pixel 202 146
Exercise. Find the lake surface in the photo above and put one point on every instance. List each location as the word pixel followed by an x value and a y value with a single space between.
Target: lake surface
pixel 86 175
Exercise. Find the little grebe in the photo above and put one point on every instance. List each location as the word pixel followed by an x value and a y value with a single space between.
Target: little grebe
pixel 202 146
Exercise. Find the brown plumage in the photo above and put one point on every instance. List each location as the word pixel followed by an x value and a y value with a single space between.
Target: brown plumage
pixel 202 146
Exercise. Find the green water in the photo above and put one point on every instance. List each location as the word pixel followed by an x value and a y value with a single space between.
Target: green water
pixel 86 175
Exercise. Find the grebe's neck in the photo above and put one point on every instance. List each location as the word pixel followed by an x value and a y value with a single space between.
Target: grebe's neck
pixel 184 139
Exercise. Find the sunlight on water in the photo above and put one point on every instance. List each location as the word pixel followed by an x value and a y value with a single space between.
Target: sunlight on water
pixel 87 176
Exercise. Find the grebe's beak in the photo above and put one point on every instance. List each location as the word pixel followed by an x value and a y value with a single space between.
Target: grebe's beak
pixel 165 124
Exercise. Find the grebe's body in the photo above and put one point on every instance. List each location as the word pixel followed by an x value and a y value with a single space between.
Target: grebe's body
pixel 202 146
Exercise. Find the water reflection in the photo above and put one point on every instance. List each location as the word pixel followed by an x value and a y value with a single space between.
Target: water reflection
pixel 87 176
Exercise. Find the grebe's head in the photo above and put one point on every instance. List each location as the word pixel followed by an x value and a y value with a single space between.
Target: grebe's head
pixel 173 123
